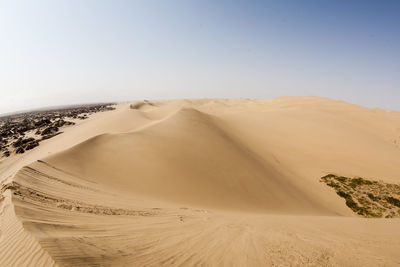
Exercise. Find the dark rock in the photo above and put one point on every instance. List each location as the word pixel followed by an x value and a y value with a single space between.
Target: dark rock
pixel 20 150
pixel 50 130
pixel 42 122
pixel 32 145
pixel 17 143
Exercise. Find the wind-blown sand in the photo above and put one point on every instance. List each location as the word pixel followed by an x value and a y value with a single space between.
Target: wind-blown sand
pixel 203 182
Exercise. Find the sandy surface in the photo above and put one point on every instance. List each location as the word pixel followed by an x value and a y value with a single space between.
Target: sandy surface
pixel 202 182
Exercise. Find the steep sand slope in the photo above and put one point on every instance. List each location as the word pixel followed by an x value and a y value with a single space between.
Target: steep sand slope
pixel 120 120
pixel 196 161
pixel 205 182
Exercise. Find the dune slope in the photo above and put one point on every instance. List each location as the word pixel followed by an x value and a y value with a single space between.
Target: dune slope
pixel 205 182
pixel 195 159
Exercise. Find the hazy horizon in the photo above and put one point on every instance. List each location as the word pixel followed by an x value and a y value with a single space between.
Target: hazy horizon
pixel 71 52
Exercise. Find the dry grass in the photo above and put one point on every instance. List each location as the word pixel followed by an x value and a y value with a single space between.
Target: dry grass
pixel 367 198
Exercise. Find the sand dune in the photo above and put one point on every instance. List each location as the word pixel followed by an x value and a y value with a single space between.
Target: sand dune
pixel 196 160
pixel 203 182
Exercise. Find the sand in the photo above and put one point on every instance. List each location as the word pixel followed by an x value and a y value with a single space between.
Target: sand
pixel 202 182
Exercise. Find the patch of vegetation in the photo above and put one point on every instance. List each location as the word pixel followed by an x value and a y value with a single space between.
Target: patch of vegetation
pixel 367 198
pixel 372 197
pixel 393 201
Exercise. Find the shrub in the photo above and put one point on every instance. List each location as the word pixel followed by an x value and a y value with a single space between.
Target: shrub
pixel 343 194
pixel 372 197
pixel 366 198
pixel 393 201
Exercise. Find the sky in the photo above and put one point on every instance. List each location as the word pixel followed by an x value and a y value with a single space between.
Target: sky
pixel 83 51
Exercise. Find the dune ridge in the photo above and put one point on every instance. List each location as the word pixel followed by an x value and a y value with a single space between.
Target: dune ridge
pixel 17 246
pixel 204 182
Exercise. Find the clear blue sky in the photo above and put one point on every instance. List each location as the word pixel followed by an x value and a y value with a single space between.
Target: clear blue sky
pixel 77 51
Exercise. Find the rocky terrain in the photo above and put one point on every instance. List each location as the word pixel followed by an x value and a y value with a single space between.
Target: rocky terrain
pixel 24 131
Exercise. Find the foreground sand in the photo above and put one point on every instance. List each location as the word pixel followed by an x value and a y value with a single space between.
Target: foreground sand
pixel 203 182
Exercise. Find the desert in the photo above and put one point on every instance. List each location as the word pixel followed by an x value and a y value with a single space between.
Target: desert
pixel 287 181
pixel 208 133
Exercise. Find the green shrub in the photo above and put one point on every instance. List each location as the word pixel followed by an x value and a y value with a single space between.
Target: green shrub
pixel 343 194
pixel 366 198
pixel 393 201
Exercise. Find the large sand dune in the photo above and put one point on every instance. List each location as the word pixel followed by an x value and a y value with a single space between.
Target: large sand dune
pixel 203 182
